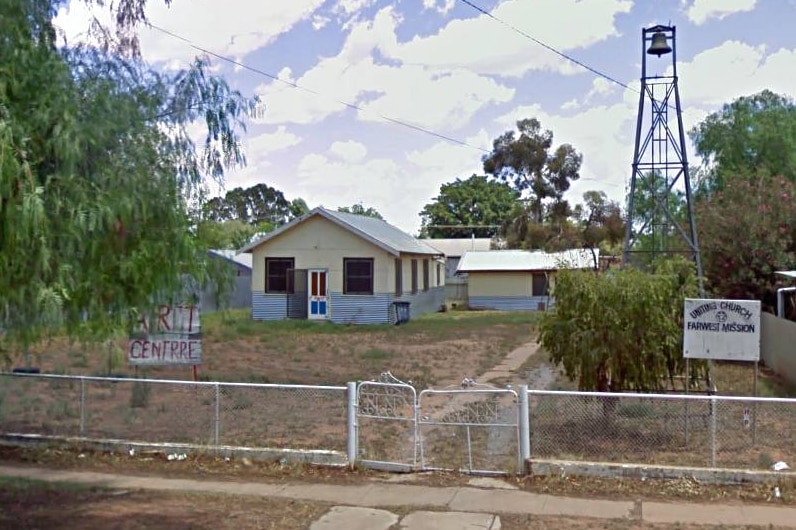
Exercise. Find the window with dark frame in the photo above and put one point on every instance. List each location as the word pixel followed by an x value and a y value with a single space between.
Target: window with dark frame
pixel 399 277
pixel 426 275
pixel 439 272
pixel 540 287
pixel 357 275
pixel 414 276
pixel 276 275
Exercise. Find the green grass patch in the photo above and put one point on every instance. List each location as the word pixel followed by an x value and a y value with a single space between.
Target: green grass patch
pixel 232 324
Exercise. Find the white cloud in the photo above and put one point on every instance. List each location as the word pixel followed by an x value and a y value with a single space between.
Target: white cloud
pixel 413 93
pixel 233 28
pixel 349 7
pixel 349 151
pixel 718 75
pixel 271 142
pixel 484 46
pixel 441 6
pixel 703 10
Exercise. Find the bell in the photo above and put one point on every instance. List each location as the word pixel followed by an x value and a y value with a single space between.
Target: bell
pixel 659 45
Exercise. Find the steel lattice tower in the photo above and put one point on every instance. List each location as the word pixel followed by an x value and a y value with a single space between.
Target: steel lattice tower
pixel 660 182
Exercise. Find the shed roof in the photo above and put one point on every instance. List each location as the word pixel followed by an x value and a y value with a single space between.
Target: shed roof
pixel 523 260
pixel 457 247
pixel 376 231
pixel 232 255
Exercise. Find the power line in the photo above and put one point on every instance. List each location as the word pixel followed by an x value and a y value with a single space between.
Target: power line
pixel 548 47
pixel 315 92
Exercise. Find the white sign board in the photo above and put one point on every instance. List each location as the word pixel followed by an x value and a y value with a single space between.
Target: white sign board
pixel 722 330
pixel 172 336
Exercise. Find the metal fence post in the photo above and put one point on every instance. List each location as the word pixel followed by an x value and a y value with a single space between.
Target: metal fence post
pixel 351 446
pixel 525 428
pixel 217 417
pixel 714 412
pixel 82 407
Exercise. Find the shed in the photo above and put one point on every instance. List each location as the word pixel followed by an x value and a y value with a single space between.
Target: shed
pixel 518 280
pixel 346 268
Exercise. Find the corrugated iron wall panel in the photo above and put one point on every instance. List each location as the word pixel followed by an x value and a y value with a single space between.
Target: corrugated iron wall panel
pixel 509 303
pixel 269 306
pixel 429 301
pixel 359 309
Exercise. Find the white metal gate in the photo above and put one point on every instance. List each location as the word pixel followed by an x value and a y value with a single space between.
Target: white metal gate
pixel 387 424
pixel 474 429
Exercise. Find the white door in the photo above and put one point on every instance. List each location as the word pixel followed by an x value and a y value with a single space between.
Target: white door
pixel 318 297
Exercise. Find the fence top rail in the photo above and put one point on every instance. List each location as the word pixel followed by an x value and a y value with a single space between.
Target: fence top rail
pixel 661 397
pixel 273 386
pixel 468 391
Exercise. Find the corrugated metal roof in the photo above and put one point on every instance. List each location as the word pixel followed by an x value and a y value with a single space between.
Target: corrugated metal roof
pixel 457 247
pixel 523 260
pixel 379 232
pixel 232 255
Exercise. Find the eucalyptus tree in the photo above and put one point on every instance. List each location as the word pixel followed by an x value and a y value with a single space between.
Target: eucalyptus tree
pixel 97 171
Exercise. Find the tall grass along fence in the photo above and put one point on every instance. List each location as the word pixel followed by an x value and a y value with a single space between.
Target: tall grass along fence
pixel 388 424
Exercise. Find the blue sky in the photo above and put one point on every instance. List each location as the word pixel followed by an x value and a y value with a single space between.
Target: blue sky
pixel 443 66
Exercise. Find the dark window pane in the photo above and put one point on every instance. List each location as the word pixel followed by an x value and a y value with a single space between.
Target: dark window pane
pixel 414 276
pixel 426 275
pixel 276 274
pixel 399 277
pixel 539 285
pixel 357 276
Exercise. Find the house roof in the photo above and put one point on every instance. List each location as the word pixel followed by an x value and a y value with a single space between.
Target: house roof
pixel 376 231
pixel 232 255
pixel 789 274
pixel 457 247
pixel 523 260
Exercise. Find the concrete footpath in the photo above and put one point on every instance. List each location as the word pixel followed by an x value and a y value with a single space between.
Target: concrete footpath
pixel 464 501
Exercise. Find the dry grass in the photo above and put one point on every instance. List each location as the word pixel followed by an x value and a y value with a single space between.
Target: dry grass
pixel 436 349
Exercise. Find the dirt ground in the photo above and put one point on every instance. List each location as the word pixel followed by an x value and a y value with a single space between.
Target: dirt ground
pixel 216 468
pixel 434 350
pixel 28 505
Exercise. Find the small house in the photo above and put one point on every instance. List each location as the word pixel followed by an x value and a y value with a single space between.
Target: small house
pixel 454 249
pixel 518 280
pixel 345 268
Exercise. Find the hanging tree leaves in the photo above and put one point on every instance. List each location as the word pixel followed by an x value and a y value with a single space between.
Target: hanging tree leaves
pixel 96 173
pixel 621 331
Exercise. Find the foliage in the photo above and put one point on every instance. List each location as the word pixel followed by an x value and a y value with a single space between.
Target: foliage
pixel 227 235
pixel 620 331
pixel 96 172
pixel 598 223
pixel 654 233
pixel 258 205
pixel 359 209
pixel 476 202
pixel 526 163
pixel 747 231
pixel 749 136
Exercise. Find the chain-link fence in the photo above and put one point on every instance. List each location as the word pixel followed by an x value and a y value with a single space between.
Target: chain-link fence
pixel 159 411
pixel 471 429
pixel 695 430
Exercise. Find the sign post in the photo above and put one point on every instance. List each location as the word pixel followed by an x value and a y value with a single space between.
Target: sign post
pixel 172 336
pixel 723 330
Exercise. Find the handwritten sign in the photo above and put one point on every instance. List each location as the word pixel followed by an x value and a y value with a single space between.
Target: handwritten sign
pixel 172 336
pixel 727 330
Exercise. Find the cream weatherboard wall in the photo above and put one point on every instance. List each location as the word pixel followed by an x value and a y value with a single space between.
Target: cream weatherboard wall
pixel 506 290
pixel 320 243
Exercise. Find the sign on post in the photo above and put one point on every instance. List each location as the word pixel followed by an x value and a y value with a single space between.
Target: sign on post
pixel 721 330
pixel 172 336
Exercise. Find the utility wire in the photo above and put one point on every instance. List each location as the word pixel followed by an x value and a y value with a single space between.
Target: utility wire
pixel 548 47
pixel 315 92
